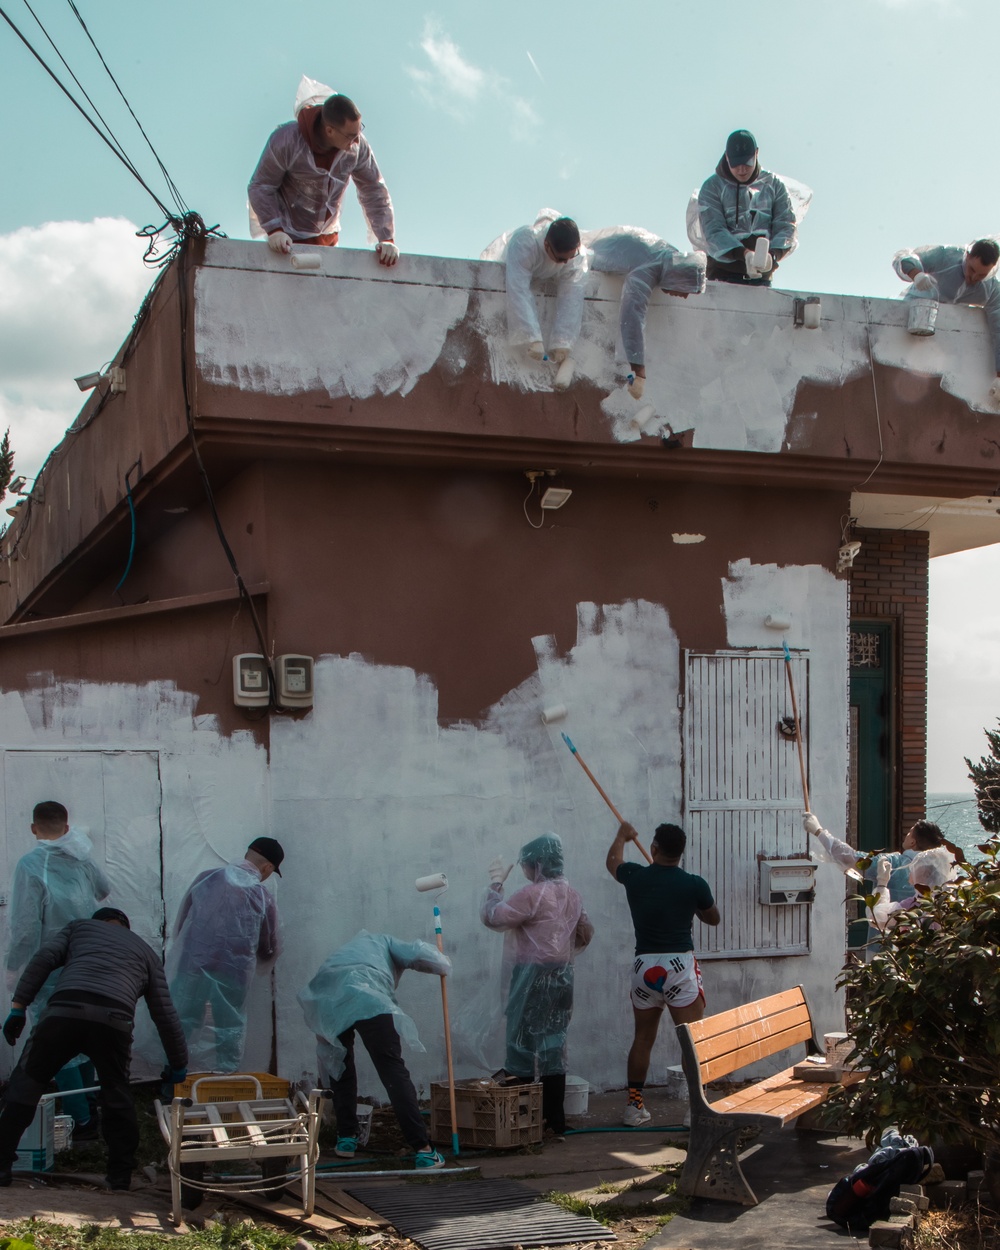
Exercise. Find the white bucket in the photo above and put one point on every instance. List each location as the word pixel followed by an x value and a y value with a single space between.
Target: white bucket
pixel 922 316
pixel 577 1096
pixel 63 1134
pixel 364 1111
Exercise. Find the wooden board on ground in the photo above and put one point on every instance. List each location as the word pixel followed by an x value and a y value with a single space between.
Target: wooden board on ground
pixel 332 1199
pixel 318 1222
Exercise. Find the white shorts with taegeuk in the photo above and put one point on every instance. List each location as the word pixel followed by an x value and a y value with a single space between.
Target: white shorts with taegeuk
pixel 666 980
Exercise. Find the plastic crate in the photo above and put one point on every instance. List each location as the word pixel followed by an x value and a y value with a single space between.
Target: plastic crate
pixel 37 1146
pixel 497 1117
pixel 231 1087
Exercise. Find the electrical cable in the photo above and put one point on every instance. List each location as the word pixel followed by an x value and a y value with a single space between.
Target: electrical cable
pixel 878 417
pixel 178 199
pixel 524 507
pixel 182 253
pixel 83 113
pixel 131 508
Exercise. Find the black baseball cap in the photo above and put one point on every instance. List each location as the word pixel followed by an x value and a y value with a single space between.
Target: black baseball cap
pixel 741 148
pixel 111 913
pixel 270 848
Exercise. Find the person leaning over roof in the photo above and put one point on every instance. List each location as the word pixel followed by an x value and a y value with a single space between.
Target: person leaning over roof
pixel 548 249
pixel 646 262
pixel 739 204
pixel 959 276
pixel 106 969
pixel 298 186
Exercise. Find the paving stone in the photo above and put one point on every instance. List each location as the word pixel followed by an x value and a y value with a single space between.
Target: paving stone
pixel 947 1194
pixel 887 1234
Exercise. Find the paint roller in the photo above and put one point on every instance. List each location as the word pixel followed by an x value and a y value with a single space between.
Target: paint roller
pixel 439 881
pixel 798 726
pixel 305 260
pixel 558 712
pixel 617 814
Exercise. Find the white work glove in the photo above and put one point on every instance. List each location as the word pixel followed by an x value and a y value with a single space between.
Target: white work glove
pixel 387 253
pixel 499 871
pixel 559 354
pixel 536 350
pixel 636 385
pixel 923 281
pixel 810 824
pixel 279 242
pixel 994 392
pixel 883 872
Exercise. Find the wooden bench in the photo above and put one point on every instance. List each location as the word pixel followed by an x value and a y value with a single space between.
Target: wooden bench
pixel 722 1044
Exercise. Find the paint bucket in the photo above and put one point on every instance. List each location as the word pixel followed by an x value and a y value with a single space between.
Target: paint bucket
pixel 63 1133
pixel 921 316
pixel 364 1112
pixel 577 1096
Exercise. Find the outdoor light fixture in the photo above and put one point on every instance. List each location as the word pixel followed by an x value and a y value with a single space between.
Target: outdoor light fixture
pixel 554 497
pixel 806 312
pixel 87 381
pixel 846 556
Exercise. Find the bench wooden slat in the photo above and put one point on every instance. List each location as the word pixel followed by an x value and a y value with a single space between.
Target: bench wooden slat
pixel 753 1050
pixel 780 1095
pixel 710 1026
pixel 732 1039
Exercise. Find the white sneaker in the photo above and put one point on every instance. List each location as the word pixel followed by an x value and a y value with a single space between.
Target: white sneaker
pixel 634 1116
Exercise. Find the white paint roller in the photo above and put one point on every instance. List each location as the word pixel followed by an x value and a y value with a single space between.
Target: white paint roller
pixel 437 881
pixel 305 260
pixel 564 375
pixel 761 258
pixel 644 419
pixel 557 712
pixel 776 621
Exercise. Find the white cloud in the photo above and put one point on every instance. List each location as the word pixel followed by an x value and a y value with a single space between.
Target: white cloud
pixel 69 291
pixel 454 84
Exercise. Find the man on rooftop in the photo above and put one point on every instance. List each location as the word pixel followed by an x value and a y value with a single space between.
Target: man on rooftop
pixel 298 186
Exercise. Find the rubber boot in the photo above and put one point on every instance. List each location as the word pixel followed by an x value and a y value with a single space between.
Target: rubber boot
pixel 553 1094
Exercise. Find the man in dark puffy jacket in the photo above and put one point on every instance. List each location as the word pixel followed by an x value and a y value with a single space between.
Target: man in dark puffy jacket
pixel 106 969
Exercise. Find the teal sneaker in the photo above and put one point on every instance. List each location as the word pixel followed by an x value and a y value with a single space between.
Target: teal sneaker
pixel 428 1158
pixel 346 1148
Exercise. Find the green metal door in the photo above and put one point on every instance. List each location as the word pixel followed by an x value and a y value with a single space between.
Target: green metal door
pixel 871 735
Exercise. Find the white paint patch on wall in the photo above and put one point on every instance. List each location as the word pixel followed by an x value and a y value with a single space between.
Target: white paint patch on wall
pixel 960 351
pixel 287 334
pixel 816 603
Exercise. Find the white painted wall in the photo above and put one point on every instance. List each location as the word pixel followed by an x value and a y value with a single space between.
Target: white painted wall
pixel 370 791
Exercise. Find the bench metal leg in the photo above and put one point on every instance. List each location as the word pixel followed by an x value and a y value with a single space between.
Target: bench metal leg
pixel 712 1168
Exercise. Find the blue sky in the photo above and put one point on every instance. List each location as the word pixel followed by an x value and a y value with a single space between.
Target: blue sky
pixel 479 114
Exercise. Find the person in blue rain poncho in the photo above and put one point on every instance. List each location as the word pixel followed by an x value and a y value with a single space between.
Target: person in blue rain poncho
pixel 227 923
pixel 646 262
pixel 545 925
pixel 739 204
pixel 355 992
pixel 550 248
pixel 958 275
pixel 54 883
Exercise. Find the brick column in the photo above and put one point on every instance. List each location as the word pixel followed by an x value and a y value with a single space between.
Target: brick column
pixel 889 583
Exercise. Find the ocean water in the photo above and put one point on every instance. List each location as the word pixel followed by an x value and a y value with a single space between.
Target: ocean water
pixel 959 820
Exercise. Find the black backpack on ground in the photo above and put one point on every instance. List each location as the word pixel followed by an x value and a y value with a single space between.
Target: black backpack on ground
pixel 858 1200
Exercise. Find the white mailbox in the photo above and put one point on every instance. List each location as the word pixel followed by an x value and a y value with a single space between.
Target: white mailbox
pixel 784 881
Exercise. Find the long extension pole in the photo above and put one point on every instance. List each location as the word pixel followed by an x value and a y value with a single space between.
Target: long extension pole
pixel 798 725
pixel 597 785
pixel 447 1037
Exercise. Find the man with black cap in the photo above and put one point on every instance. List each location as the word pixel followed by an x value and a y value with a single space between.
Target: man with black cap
pixel 739 205
pixel 226 924
pixel 106 969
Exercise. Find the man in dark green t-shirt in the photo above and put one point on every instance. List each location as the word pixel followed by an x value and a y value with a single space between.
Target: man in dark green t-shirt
pixel 663 900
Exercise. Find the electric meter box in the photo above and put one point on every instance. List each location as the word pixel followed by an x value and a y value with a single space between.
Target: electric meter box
pixel 294 677
pixel 250 681
pixel 784 881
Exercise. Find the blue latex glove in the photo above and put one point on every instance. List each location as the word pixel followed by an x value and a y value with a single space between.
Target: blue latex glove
pixel 13 1026
pixel 171 1077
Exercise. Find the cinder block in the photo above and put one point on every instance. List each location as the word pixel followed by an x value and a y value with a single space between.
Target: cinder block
pixel 947 1194
pixel 896 1236
pixel 903 1205
pixel 975 1180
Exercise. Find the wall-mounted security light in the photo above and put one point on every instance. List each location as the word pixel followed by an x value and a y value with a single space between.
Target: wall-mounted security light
pixel 554 497
pixel 87 381
pixel 846 555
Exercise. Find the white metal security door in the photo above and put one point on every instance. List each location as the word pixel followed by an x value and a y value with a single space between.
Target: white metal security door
pixel 743 795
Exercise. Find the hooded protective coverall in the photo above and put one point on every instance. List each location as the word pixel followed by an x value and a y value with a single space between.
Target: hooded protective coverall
pixel 227 921
pixel 56 882
pixel 355 989
pixel 526 259
pixel 546 925
pixel 734 214
pixel 946 267
pixel 646 262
